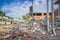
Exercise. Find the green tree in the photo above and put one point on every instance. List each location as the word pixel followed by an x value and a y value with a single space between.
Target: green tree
pixel 2 13
pixel 26 17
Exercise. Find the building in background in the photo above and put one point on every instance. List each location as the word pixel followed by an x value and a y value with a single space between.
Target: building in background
pixel 57 11
pixel 38 16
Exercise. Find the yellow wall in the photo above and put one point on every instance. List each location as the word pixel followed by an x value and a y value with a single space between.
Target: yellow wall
pixel 39 17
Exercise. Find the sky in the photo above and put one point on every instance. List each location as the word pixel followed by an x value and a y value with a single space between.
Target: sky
pixel 18 8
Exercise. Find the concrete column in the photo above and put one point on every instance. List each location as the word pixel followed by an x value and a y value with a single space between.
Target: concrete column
pixel 53 19
pixel 48 29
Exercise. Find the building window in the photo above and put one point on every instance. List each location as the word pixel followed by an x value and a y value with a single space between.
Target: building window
pixel 39 14
pixel 33 14
pixel 44 13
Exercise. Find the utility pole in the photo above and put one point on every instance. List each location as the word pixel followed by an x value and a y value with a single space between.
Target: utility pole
pixel 53 26
pixel 48 29
pixel 31 11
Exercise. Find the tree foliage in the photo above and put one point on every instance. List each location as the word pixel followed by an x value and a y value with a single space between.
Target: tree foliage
pixel 26 17
pixel 2 13
pixel 9 17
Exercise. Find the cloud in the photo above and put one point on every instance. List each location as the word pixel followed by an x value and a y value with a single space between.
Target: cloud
pixel 18 9
pixel 39 5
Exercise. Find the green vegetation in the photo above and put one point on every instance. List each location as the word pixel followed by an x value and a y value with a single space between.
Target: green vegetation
pixel 2 13
pixel 4 18
pixel 26 17
pixel 9 17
